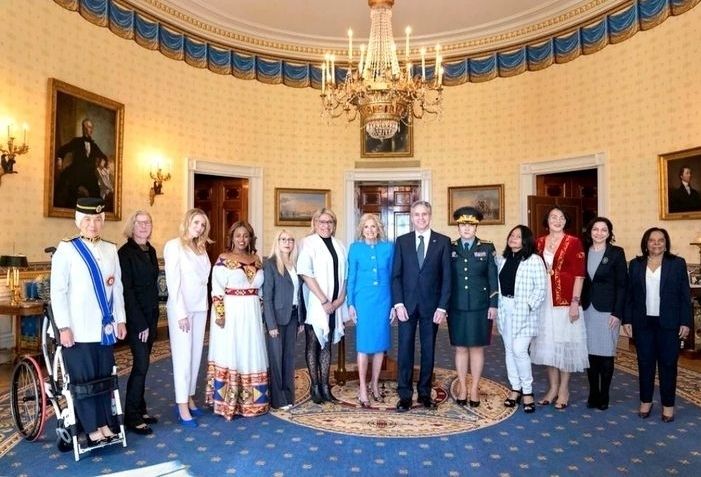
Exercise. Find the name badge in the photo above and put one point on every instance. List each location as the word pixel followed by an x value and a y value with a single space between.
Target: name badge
pixel 480 254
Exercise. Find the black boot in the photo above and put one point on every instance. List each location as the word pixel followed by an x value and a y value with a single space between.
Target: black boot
pixel 326 394
pixel 606 377
pixel 316 394
pixel 593 375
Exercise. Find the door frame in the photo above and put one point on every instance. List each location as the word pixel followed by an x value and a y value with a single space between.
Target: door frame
pixel 255 186
pixel 598 161
pixel 423 176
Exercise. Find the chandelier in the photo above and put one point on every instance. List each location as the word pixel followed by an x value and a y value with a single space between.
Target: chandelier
pixel 381 90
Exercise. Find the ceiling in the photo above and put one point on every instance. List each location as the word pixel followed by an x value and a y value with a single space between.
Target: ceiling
pixel 324 23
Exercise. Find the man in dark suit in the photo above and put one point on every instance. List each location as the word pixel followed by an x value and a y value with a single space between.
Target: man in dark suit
pixel 79 178
pixel 421 294
pixel 685 198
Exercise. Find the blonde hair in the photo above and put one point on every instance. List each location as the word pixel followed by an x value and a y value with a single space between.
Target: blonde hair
pixel 318 214
pixel 131 223
pixel 363 220
pixel 198 244
pixel 276 253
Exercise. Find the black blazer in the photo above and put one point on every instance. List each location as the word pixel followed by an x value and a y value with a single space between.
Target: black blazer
pixel 675 294
pixel 427 288
pixel 606 290
pixel 278 292
pixel 140 281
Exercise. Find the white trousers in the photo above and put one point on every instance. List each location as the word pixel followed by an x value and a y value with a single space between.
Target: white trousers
pixel 186 353
pixel 518 361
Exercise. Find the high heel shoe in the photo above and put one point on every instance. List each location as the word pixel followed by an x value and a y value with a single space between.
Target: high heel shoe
pixel 528 407
pixel 666 418
pixel 547 402
pixel 196 412
pixel 326 394
pixel 191 423
pixel 509 402
pixel 645 414
pixel 364 404
pixel 377 397
pixel 316 394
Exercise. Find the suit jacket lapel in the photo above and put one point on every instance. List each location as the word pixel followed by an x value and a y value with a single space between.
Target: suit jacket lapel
pixel 664 272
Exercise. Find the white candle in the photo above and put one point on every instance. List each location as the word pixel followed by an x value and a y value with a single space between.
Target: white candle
pixel 440 74
pixel 423 64
pixel 350 46
pixel 438 55
pixel 323 77
pixel 16 277
pixel 7 280
pixel 333 69
pixel 361 67
pixel 406 48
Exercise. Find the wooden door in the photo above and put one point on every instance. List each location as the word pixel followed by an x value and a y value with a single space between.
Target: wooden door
pixel 392 203
pixel 539 206
pixel 224 200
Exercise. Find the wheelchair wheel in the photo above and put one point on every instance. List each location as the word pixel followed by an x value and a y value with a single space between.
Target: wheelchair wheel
pixel 63 446
pixel 27 398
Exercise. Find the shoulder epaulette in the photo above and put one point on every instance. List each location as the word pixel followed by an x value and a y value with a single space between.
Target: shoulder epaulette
pixel 109 241
pixel 68 239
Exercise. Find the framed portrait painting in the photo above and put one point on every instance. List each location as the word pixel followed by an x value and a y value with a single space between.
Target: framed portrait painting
pixel 680 184
pixel 399 145
pixel 489 199
pixel 84 150
pixel 295 207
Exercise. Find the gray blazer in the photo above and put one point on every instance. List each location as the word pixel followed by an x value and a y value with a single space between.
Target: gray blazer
pixel 278 291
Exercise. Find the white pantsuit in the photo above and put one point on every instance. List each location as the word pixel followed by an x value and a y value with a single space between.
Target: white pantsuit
pixel 187 274
pixel 517 320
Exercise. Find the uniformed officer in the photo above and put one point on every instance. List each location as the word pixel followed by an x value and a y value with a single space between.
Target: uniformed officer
pixel 88 307
pixel 473 302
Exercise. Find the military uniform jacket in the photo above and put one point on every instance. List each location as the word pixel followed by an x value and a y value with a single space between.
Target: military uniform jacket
pixel 474 276
pixel 73 300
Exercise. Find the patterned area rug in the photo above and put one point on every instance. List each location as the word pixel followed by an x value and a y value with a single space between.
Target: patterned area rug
pixel 382 420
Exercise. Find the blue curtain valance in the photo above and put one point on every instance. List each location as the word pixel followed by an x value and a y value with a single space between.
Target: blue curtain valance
pixel 128 22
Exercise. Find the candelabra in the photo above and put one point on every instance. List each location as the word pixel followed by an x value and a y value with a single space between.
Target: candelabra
pixel 12 150
pixel 159 177
pixel 13 263
pixel 380 90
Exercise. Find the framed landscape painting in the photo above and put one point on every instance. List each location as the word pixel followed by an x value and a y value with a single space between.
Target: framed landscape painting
pixel 295 207
pixel 489 199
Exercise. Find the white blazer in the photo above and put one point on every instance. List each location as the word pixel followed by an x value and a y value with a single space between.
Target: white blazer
pixel 529 294
pixel 73 300
pixel 187 274
pixel 315 261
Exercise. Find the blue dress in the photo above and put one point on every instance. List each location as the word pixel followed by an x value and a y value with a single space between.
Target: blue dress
pixel 369 291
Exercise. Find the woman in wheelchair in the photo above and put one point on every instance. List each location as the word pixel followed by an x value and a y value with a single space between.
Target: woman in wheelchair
pixel 88 308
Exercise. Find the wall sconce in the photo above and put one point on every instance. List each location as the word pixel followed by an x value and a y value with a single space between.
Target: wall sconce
pixel 13 263
pixel 159 177
pixel 11 151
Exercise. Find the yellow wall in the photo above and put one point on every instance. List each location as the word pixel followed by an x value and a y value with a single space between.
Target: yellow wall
pixel 631 101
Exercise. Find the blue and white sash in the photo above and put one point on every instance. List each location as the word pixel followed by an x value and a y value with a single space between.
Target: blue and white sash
pixel 108 335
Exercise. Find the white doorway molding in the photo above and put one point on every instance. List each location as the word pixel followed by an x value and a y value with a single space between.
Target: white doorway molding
pixel 255 187
pixel 598 161
pixel 423 176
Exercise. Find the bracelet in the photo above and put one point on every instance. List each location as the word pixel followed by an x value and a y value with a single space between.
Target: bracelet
pixel 575 299
pixel 325 302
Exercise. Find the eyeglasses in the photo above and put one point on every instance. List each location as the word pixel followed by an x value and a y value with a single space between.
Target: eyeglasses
pixel 288 240
pixel 325 222
pixel 143 223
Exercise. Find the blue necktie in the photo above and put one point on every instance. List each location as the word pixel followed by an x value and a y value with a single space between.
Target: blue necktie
pixel 420 251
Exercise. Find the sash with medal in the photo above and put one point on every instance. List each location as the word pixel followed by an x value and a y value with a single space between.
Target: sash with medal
pixel 108 335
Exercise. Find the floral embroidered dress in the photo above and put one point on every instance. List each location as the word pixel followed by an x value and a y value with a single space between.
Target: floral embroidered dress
pixel 237 371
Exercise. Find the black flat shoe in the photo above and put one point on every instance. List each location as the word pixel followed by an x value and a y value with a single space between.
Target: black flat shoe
pixel 461 402
pixel 474 403
pixel 603 406
pixel 141 429
pixel 149 419
pixel 427 402
pixel 646 414
pixel 98 442
pixel 403 405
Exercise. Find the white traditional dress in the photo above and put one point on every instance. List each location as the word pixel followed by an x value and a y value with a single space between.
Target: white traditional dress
pixel 237 372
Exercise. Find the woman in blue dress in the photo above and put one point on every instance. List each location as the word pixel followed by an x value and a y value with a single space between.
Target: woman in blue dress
pixel 369 270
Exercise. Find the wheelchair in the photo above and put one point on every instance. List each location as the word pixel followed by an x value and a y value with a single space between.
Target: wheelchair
pixel 30 390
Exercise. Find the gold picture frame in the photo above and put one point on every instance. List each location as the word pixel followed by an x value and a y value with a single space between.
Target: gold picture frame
pixel 399 145
pixel 96 169
pixel 487 198
pixel 295 207
pixel 676 202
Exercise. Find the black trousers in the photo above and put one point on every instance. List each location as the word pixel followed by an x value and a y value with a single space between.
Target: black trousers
pixel 135 403
pixel 657 348
pixel 87 362
pixel 405 355
pixel 281 356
